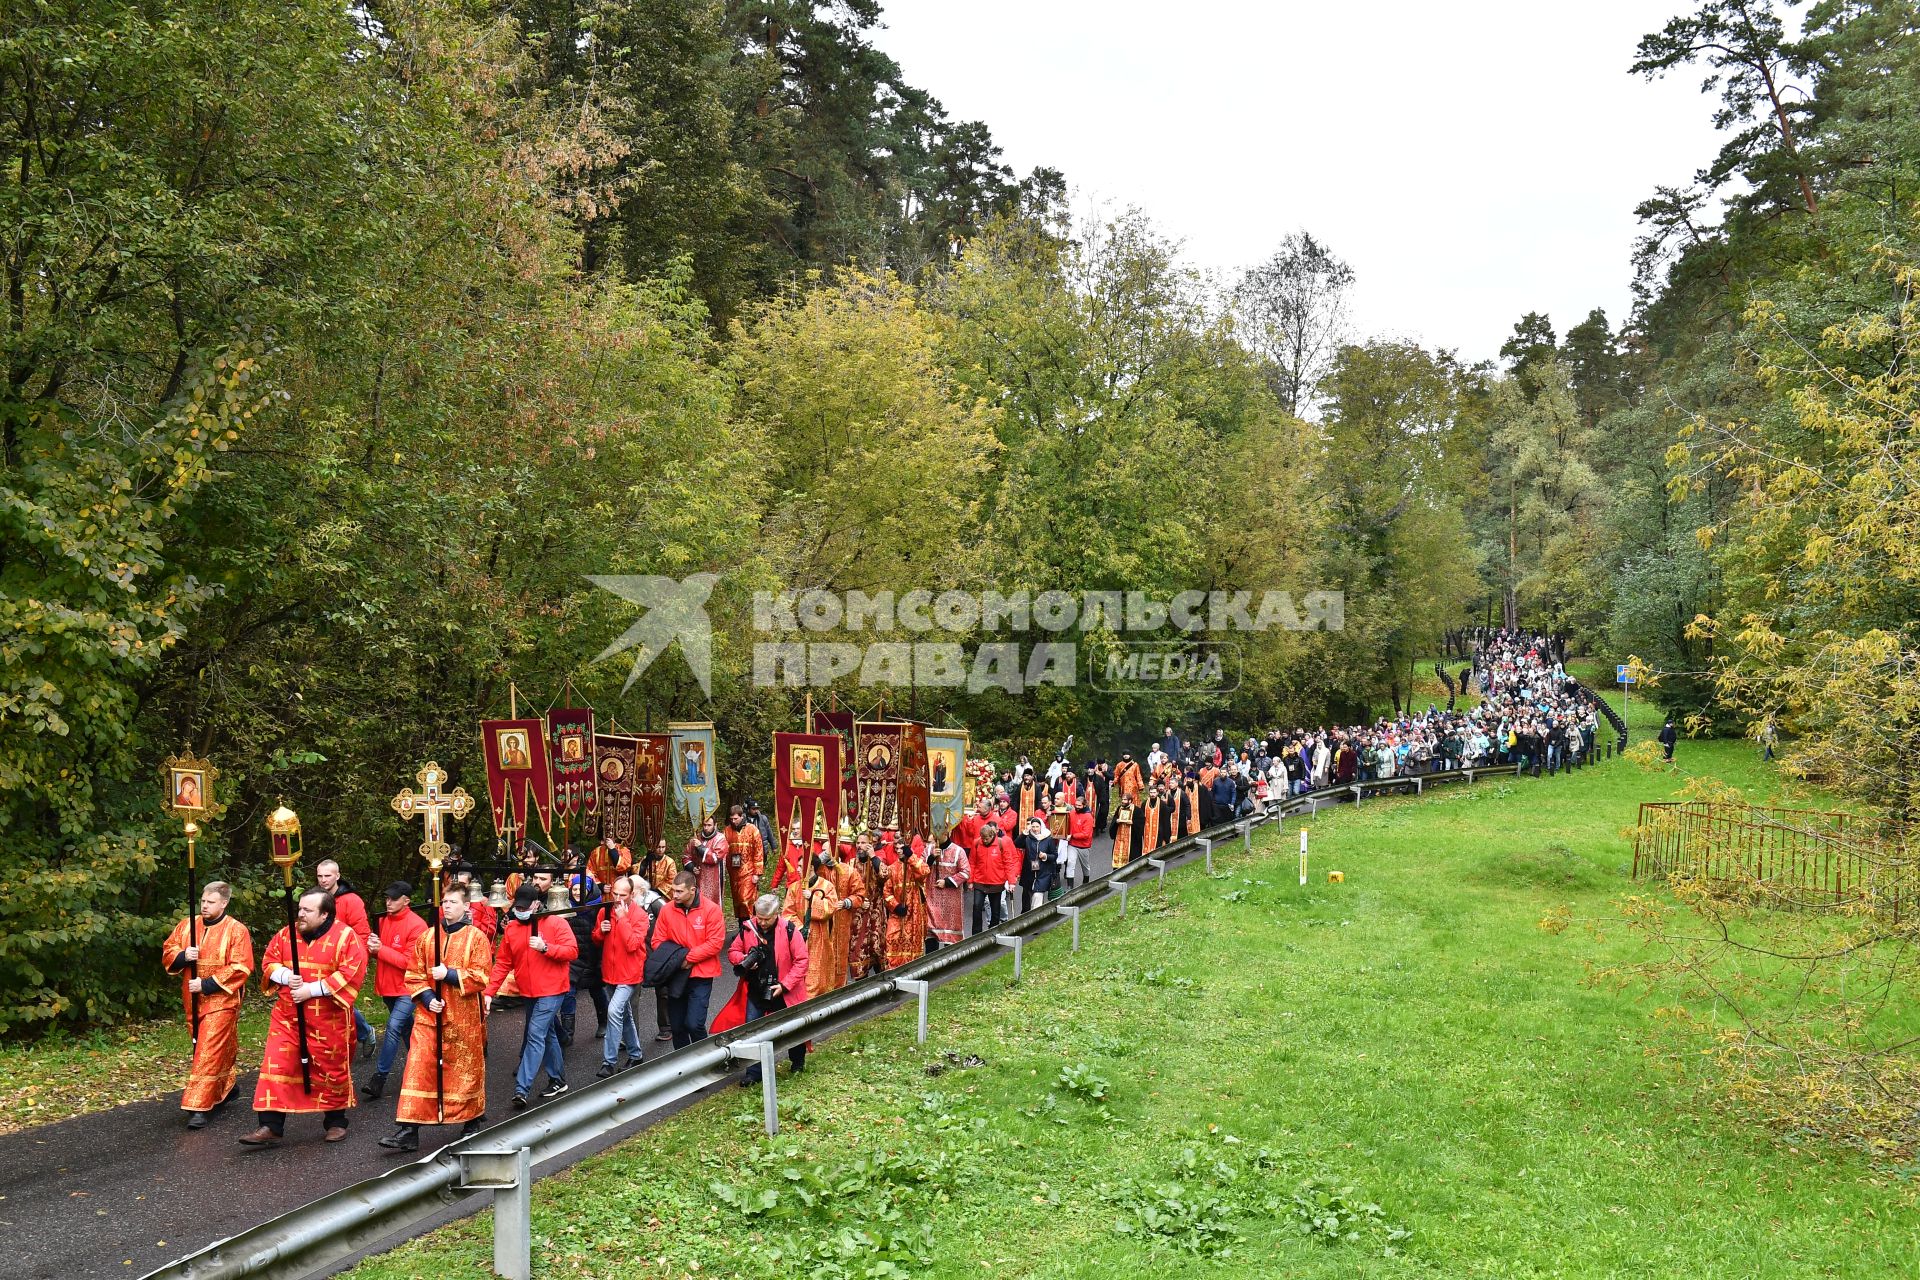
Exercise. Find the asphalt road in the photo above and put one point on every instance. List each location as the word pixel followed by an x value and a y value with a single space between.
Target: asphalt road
pixel 119 1192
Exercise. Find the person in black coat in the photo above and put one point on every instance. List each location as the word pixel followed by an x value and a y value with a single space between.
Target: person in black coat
pixel 583 974
pixel 1098 783
pixel 1668 736
pixel 1040 864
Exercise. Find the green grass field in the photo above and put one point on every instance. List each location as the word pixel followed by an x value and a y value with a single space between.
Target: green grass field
pixel 1404 1074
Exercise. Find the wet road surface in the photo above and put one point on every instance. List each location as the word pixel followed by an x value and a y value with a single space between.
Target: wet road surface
pixel 119 1192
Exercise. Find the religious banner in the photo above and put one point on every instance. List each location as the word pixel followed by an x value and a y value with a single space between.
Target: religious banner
pixel 806 786
pixel 696 791
pixel 519 778
pixel 570 748
pixel 980 781
pixel 915 816
pixel 650 769
pixel 614 756
pixel 840 725
pixel 946 778
pixel 877 746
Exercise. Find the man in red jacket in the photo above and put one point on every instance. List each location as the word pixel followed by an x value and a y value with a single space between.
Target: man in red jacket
pixel 1079 843
pixel 780 976
pixel 694 921
pixel 350 911
pixel 622 930
pixel 991 858
pixel 537 950
pixel 390 947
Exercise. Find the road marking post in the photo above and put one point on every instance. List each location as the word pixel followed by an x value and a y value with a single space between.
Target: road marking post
pixel 508 1174
pixel 1016 942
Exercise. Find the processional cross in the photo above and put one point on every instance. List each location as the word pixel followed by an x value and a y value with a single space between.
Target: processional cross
pixel 432 806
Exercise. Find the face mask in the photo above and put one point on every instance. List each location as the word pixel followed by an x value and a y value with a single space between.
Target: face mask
pixel 523 916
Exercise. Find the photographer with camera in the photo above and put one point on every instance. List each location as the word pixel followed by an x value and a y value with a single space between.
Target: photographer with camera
pixel 769 955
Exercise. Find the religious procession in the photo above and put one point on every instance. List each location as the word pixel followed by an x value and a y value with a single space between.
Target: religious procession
pixel 893 841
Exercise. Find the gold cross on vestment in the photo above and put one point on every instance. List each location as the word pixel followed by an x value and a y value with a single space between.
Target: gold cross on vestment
pixel 433 805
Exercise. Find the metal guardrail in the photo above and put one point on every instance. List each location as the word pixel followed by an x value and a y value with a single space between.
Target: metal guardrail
pixel 499 1159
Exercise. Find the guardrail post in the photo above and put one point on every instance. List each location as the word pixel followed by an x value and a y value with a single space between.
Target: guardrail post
pixel 509 1175
pixel 1074 913
pixel 1419 787
pixel 1016 942
pixel 920 987
pixel 1246 841
pixel 1356 795
pixel 1160 867
pixel 763 1052
pixel 1121 885
pixel 1206 846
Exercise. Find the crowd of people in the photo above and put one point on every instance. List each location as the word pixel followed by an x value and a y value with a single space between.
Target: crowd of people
pixel 809 916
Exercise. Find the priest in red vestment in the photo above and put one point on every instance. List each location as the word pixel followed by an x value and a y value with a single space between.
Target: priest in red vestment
pixel 320 992
pixel 214 969
pixel 450 1088
pixel 793 860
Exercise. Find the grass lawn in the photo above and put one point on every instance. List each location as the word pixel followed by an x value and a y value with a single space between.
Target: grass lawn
pixel 1400 1075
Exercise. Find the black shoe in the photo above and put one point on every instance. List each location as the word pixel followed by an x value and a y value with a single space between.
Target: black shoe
pixel 605 1071
pixel 197 1120
pixel 472 1126
pixel 375 1086
pixel 405 1138
pixel 367 1046
pixel 553 1090
pixel 519 1102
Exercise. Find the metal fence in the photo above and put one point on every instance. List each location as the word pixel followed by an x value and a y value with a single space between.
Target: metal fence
pixel 1795 857
pixel 500 1159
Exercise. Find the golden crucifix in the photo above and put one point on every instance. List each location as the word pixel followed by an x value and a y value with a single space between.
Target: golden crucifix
pixel 433 805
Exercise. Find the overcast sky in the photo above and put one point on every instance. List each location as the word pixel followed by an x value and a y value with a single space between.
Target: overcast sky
pixel 1471 161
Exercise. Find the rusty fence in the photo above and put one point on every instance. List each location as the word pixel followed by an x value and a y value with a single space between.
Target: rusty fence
pixel 1798 857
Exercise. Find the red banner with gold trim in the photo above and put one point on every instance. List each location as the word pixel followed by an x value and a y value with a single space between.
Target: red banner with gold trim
pixel 916 800
pixel 613 764
pixel 806 786
pixel 519 775
pixel 652 771
pixel 570 748
pixel 878 745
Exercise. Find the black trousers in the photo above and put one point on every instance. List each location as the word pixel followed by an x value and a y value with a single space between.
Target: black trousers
pixel 277 1121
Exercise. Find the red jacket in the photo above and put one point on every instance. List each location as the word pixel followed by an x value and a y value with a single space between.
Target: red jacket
pixel 790 956
pixel 397 936
pixel 485 918
pixel 1080 829
pixel 623 948
pixel 966 832
pixel 535 973
pixel 701 931
pixel 994 859
pixel 351 912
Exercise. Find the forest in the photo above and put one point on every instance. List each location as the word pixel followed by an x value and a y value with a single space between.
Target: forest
pixel 344 343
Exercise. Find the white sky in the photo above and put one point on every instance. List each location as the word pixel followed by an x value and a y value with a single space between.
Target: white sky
pixel 1471 161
